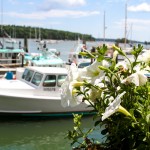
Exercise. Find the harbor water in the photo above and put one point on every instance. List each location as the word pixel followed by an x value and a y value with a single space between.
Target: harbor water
pixel 20 133
pixel 64 47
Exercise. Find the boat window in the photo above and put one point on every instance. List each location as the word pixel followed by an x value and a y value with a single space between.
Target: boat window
pixel 61 79
pixel 37 78
pixel 79 56
pixel 9 54
pixel 29 75
pixel 85 64
pixel 6 55
pixel 25 73
pixel 50 81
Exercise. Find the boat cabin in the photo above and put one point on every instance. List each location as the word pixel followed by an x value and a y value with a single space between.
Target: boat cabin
pixel 40 60
pixel 11 53
pixel 11 57
pixel 44 78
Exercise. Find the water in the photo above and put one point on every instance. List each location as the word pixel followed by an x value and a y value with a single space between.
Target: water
pixel 36 133
pixel 65 47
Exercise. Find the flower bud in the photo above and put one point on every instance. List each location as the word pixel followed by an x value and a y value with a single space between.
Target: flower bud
pixel 119 50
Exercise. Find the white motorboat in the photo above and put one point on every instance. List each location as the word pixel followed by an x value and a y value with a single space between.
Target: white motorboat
pixel 75 57
pixel 36 90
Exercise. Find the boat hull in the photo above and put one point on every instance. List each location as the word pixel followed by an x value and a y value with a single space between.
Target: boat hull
pixel 27 105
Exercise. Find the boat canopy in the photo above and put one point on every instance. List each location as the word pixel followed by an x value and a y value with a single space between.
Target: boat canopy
pixel 11 51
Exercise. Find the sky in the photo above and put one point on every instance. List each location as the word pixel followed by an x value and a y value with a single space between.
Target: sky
pixel 82 16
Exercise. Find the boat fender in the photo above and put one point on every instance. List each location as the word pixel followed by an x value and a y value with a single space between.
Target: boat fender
pixel 9 75
pixel 14 77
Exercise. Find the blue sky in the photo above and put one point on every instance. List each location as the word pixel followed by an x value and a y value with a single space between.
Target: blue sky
pixel 83 16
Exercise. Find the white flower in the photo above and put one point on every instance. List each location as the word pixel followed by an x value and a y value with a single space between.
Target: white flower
pixel 105 64
pixel 112 107
pixel 94 92
pixel 125 64
pixel 118 88
pixel 138 78
pixel 92 72
pixel 73 72
pixel 145 57
pixel 68 96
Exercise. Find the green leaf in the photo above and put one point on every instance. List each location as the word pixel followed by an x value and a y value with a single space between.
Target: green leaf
pixel 100 58
pixel 148 118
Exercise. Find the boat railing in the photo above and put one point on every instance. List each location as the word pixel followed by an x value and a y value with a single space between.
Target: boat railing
pixel 9 59
pixel 3 59
pixel 10 62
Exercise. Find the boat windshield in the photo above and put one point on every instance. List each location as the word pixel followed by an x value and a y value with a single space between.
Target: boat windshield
pixel 50 81
pixel 61 79
pixel 37 79
pixel 27 75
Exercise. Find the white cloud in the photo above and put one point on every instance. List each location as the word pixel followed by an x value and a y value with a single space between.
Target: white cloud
pixel 55 4
pixel 137 22
pixel 142 7
pixel 139 26
pixel 31 3
pixel 140 21
pixel 115 1
pixel 73 2
pixel 13 1
pixel 52 14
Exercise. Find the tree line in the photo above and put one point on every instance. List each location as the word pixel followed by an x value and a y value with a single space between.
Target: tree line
pixel 43 33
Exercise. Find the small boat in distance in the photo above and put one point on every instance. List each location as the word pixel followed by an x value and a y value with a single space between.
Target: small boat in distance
pixel 36 90
pixel 75 57
pixel 45 57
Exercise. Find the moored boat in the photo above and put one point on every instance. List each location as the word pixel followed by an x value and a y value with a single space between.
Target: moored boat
pixel 11 55
pixel 75 57
pixel 45 57
pixel 36 90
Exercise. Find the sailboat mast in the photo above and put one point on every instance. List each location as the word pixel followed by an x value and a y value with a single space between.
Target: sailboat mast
pixel 104 28
pixel 2 32
pixel 39 34
pixel 125 32
pixel 35 34
pixel 1 16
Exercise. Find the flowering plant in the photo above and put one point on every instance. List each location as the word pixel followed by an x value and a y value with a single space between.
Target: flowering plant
pixel 118 92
